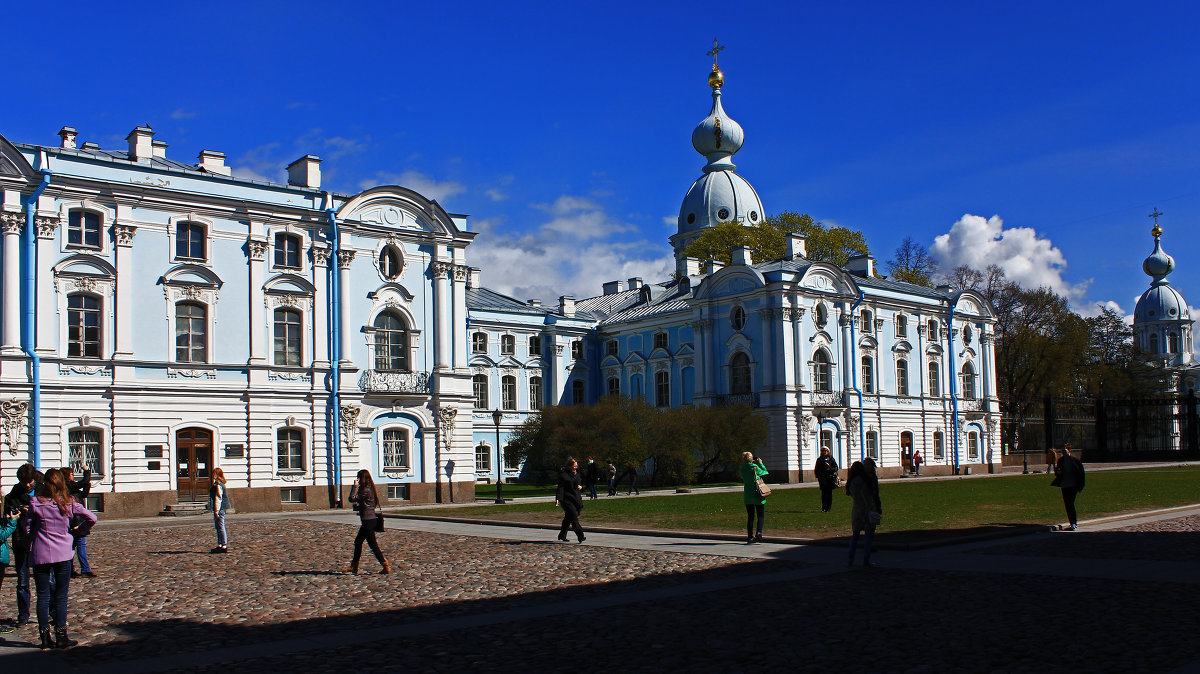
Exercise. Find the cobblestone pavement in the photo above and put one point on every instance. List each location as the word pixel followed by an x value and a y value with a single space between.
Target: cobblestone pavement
pixel 472 603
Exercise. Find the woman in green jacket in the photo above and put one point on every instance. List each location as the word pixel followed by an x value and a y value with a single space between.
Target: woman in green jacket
pixel 751 470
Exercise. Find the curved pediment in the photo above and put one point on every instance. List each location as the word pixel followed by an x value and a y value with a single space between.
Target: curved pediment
pixel 902 346
pixel 825 277
pixel 192 274
pixel 609 361
pixel 86 265
pixel 288 283
pixel 731 281
pixel 13 163
pixel 391 291
pixel 398 208
pixel 972 303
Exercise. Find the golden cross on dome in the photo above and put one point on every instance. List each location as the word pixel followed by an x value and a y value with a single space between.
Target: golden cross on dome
pixel 1157 231
pixel 1155 215
pixel 717 49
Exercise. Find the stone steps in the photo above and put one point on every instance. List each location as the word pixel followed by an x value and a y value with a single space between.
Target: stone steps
pixel 183 509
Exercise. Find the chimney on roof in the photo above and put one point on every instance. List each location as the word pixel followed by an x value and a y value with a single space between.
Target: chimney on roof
pixel 635 283
pixel 861 265
pixel 612 287
pixel 691 266
pixel 68 133
pixel 159 148
pixel 305 171
pixel 90 146
pixel 141 143
pixel 797 246
pixel 213 162
pixel 714 266
pixel 473 277
pixel 566 306
pixel 534 302
pixel 741 255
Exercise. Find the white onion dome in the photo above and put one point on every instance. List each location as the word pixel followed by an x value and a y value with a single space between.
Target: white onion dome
pixel 1161 302
pixel 720 195
pixel 1158 264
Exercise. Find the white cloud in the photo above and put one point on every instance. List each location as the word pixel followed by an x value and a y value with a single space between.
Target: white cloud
pixel 180 113
pixel 417 181
pixel 1026 259
pixel 572 253
pixel 670 220
pixel 260 163
pixel 495 195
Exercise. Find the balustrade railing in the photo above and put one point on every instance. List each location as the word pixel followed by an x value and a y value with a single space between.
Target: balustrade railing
pixel 378 381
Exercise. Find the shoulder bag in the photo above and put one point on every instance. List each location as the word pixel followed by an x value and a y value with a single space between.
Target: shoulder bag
pixel 762 488
pixel 378 521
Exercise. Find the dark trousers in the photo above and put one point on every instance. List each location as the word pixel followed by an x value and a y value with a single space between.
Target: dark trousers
pixel 866 544
pixel 570 521
pixel 753 509
pixel 21 566
pixel 366 532
pixel 826 497
pixel 52 590
pixel 592 488
pixel 1069 494
pixel 612 486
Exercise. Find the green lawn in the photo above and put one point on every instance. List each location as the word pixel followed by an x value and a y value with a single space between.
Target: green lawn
pixel 520 489
pixel 912 511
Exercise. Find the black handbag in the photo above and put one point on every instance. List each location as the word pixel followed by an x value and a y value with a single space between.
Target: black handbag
pixel 378 521
pixel 80 526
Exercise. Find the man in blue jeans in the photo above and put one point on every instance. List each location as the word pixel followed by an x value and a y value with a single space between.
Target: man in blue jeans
pixel 17 500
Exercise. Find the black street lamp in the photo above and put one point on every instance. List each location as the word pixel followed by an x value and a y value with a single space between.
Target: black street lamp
pixel 497 415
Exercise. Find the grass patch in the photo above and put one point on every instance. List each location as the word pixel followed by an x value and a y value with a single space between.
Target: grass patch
pixel 519 489
pixel 915 509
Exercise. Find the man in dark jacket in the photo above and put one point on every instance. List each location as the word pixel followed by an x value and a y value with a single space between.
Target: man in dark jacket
pixel 17 501
pixel 79 490
pixel 1069 476
pixel 591 474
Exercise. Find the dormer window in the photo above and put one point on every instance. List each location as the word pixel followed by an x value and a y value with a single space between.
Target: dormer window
pixel 83 229
pixel 190 241
pixel 390 262
pixel 287 251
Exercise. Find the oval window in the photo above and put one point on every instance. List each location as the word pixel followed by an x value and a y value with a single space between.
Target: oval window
pixel 1171 311
pixel 737 318
pixel 723 214
pixel 753 216
pixel 691 219
pixel 390 262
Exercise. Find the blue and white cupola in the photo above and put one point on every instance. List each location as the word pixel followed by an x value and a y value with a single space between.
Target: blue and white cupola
pixel 720 195
pixel 1162 321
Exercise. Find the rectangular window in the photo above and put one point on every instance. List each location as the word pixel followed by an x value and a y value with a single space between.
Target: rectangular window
pixel 191 333
pixel 577 350
pixel 83 229
pixel 535 393
pixel 972 445
pixel 479 342
pixel 662 389
pixel 483 458
pixel 287 337
pixel 577 392
pixel 511 462
pixel 937 445
pixel 292 494
pixel 508 345
pixel 933 330
pixel 289 444
pixel 935 388
pixel 614 386
pixel 873 445
pixel 287 251
pixel 479 384
pixel 83 326
pixel 508 392
pixel 189 241
pixel 397 492
pixel 83 446
pixel 535 345
pixel 902 377
pixel 395 449
pixel 660 340
pixel 611 347
pixel 901 325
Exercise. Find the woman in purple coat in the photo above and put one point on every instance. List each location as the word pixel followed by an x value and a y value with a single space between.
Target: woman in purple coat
pixel 50 513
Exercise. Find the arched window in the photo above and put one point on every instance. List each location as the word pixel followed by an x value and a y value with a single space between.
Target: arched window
pixel 868 325
pixel 868 374
pixel 395 449
pixel 483 458
pixel 901 325
pixel 508 392
pixel 577 397
pixel 391 343
pixel 479 384
pixel 1173 342
pixel 287 251
pixel 83 230
pixel 902 377
pixel 83 326
pixel 662 388
pixel 934 380
pixel 933 330
pixel 822 372
pixel 1153 342
pixel 390 262
pixel 739 374
pixel 479 342
pixel 968 382
pixel 737 318
pixel 190 241
pixel 84 446
pixel 508 345
pixel 873 445
pixel 287 337
pixel 535 393
pixel 289 445
pixel 191 333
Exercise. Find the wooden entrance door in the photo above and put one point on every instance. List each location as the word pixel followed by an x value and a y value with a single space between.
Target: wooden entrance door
pixel 906 451
pixel 193 463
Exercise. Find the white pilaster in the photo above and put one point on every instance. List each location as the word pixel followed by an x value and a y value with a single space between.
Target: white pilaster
pixel 320 260
pixel 460 317
pixel 10 322
pixel 123 237
pixel 258 308
pixel 769 360
pixel 442 315
pixel 345 257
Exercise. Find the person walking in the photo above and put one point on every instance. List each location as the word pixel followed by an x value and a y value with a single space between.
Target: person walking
pixel 79 490
pixel 862 485
pixel 756 504
pixel 917 460
pixel 17 501
pixel 50 554
pixel 568 497
pixel 612 479
pixel 826 471
pixel 8 525
pixel 1069 476
pixel 592 474
pixel 365 500
pixel 218 503
pixel 631 471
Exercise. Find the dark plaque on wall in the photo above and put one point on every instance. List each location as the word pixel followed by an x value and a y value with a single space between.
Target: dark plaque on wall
pixel 235 451
pixel 154 451
pixel 153 465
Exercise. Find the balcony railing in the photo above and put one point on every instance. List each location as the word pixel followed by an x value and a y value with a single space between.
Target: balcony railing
pixel 750 399
pixel 379 381
pixel 828 399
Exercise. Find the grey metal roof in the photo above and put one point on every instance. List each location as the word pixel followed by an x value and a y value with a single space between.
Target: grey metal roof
pixel 673 300
pixel 485 299
pixel 611 303
pixel 900 286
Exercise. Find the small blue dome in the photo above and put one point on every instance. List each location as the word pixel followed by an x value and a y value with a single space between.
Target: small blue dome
pixel 719 196
pixel 1159 264
pixel 1161 303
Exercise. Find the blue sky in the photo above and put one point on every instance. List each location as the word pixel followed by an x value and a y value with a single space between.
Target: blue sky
pixel 563 129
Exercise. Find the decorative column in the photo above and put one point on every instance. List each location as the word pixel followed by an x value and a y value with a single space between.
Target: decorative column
pixel 459 326
pixel 770 344
pixel 345 257
pixel 10 296
pixel 258 305
pixel 320 260
pixel 123 236
pixel 555 370
pixel 847 367
pixel 442 314
pixel 704 329
pixel 988 388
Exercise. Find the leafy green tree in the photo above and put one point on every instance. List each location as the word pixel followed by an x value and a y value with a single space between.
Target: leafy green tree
pixel 1113 366
pixel 721 433
pixel 767 240
pixel 912 264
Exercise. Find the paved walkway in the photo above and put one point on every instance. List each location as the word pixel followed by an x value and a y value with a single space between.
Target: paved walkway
pixel 490 598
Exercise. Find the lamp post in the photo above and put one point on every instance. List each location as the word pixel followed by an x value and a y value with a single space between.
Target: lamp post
pixel 497 415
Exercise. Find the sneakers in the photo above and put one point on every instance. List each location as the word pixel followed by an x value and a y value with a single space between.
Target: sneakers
pixel 758 537
pixel 89 574
pixel 6 629
pixel 1073 527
